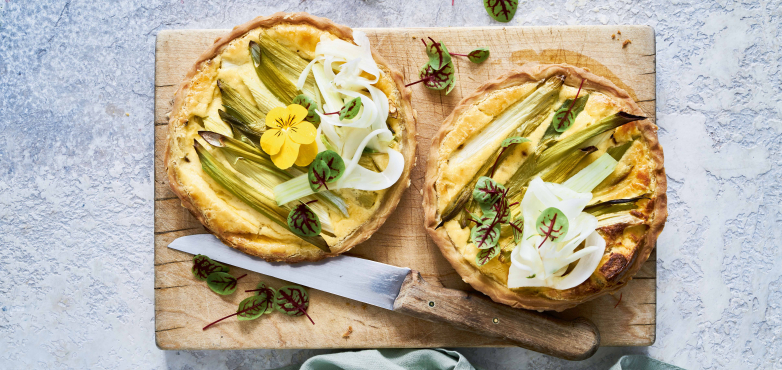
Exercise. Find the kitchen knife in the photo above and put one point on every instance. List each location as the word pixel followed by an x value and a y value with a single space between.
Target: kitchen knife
pixel 403 290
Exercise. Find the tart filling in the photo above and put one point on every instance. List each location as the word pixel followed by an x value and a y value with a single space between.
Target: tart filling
pixel 290 139
pixel 546 187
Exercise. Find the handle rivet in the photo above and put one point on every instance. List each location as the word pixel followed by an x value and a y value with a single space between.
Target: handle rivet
pixel 431 303
pixel 495 320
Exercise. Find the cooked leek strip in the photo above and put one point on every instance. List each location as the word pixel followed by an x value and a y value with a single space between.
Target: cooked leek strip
pixel 560 172
pixel 238 149
pixel 614 218
pixel 289 63
pixel 267 72
pixel 619 151
pixel 518 120
pixel 264 98
pixel 514 121
pixel 247 194
pixel 604 209
pixel 576 140
pixel 238 125
pixel 252 118
pixel 586 180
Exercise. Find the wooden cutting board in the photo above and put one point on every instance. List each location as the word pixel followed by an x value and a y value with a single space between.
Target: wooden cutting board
pixel 183 305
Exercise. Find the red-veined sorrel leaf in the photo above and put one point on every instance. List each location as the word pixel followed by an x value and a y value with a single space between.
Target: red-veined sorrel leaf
pixel 501 210
pixel 351 109
pixel 567 113
pixel 251 308
pixel 485 255
pixel 251 304
pixel 222 282
pixel 436 79
pixel 334 162
pixel 507 143
pixel 518 229
pixel 487 234
pixel 514 140
pixel 552 225
pixel 203 266
pixel 438 54
pixel 293 300
pixel 478 55
pixel 487 192
pixel 501 10
pixel 317 174
pixel 307 102
pixel 266 293
pixel 303 221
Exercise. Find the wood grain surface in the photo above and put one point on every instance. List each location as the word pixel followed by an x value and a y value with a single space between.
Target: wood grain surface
pixel 183 305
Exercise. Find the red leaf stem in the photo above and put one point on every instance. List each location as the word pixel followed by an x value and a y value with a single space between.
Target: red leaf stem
pixel 620 300
pixel 547 234
pixel 461 55
pixel 573 103
pixel 328 114
pixel 425 79
pixel 298 306
pixel 233 314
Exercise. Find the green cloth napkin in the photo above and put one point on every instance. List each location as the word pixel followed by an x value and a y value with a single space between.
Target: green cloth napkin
pixel 641 362
pixel 434 359
pixel 387 359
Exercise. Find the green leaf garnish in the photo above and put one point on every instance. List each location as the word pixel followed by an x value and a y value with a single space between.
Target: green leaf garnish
pixel 518 229
pixel 501 10
pixel 485 255
pixel 478 55
pixel 251 308
pixel 307 102
pixel 222 282
pixel 292 300
pixel 302 221
pixel 487 192
pixel 438 54
pixel 266 293
pixel 203 266
pixel 327 167
pixel 317 174
pixel 486 234
pixel 514 140
pixel 531 276
pixel 552 224
pixel 351 109
pixel 567 113
pixel 436 79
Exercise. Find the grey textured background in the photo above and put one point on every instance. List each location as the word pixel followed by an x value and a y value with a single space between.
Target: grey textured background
pixel 76 175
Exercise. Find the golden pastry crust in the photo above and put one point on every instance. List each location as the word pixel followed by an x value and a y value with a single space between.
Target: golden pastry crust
pixel 235 223
pixel 627 245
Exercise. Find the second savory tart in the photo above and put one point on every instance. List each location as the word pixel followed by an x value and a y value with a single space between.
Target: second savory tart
pixel 258 116
pixel 545 188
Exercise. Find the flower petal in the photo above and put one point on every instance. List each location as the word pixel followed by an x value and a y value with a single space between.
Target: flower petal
pixel 272 140
pixel 277 116
pixel 287 155
pixel 302 133
pixel 307 153
pixel 298 113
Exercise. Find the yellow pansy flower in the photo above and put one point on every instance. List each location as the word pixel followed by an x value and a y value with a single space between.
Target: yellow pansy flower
pixel 289 138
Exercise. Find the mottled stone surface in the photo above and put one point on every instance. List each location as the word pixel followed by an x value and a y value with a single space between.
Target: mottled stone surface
pixel 76 85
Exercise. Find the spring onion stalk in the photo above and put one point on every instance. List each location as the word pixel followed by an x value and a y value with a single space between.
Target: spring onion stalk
pixel 270 75
pixel 243 111
pixel 576 140
pixel 239 150
pixel 619 151
pixel 514 121
pixel 586 180
pixel 247 194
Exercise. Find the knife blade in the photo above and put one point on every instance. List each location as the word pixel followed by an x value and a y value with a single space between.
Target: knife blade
pixel 359 279
pixel 403 290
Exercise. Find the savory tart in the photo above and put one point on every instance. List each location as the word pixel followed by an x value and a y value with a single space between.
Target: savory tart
pixel 545 188
pixel 291 139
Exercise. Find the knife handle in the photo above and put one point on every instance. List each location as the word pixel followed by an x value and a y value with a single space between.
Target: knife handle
pixel 571 340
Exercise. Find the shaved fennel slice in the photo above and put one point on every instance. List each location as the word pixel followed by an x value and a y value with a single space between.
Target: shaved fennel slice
pixel 539 262
pixel 344 50
pixel 355 177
